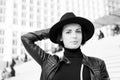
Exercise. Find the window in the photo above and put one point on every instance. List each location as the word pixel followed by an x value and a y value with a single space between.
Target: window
pixel 31 1
pixel 23 0
pixel 31 23
pixel 31 8
pixel 38 24
pixel 15 5
pixel 38 10
pixel 31 16
pixel 24 14
pixel 45 4
pixel 38 2
pixel 2 32
pixel 14 34
pixel 2 2
pixel 14 50
pixel 1 50
pixel 2 10
pixel 2 19
pixel 23 7
pixel 15 13
pixel 15 21
pixel 23 22
pixel 14 42
pixel 22 51
pixel 1 40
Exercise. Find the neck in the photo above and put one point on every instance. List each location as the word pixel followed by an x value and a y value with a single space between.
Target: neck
pixel 73 53
pixel 73 50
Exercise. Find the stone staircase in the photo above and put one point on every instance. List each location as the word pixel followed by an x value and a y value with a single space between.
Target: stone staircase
pixel 113 66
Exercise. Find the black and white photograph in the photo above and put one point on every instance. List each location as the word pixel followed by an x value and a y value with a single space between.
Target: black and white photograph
pixel 59 39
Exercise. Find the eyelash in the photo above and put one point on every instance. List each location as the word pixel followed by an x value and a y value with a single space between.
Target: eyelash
pixel 76 31
pixel 68 32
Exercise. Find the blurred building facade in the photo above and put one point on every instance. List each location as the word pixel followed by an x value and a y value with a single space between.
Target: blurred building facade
pixel 20 16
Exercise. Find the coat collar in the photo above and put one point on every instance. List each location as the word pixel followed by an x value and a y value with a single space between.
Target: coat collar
pixel 67 61
pixel 85 61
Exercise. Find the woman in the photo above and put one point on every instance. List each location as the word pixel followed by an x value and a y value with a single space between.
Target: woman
pixel 71 33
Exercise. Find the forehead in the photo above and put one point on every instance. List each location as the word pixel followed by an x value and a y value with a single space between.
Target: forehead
pixel 72 26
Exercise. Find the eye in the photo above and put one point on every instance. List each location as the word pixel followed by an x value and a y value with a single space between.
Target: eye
pixel 67 32
pixel 79 31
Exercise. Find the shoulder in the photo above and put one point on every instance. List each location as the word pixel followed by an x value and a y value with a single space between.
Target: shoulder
pixel 95 60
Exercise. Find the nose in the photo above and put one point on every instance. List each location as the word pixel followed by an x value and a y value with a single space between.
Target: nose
pixel 74 35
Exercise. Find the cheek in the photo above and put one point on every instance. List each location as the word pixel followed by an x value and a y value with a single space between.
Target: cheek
pixel 80 37
pixel 66 43
pixel 65 40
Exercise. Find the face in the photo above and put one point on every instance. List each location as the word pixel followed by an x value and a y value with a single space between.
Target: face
pixel 72 36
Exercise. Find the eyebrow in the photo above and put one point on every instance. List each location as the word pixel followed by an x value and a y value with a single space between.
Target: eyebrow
pixel 78 28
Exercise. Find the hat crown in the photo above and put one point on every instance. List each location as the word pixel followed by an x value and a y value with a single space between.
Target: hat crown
pixel 67 16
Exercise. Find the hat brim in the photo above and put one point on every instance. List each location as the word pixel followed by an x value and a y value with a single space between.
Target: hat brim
pixel 86 25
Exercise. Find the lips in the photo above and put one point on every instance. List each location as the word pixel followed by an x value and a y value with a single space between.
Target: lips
pixel 74 42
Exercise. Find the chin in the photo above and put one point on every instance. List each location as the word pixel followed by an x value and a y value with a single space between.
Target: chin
pixel 74 47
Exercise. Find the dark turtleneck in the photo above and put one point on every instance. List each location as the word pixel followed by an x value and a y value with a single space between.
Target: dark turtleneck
pixel 72 71
pixel 73 53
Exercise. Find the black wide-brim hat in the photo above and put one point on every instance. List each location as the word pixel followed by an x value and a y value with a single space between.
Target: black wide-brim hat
pixel 86 25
